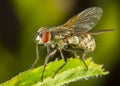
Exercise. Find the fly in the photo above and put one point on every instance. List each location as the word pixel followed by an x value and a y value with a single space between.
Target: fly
pixel 72 36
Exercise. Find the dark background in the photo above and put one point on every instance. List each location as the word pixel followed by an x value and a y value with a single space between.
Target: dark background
pixel 20 19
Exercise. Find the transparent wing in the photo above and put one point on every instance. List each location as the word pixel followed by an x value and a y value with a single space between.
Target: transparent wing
pixel 85 20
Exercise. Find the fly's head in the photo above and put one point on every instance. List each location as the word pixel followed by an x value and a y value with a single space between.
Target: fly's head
pixel 43 36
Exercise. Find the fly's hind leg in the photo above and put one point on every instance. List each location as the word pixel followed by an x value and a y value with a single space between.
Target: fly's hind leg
pixel 83 59
pixel 74 50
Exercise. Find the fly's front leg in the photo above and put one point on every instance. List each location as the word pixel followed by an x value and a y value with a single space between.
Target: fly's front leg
pixel 46 61
pixel 37 56
pixel 65 61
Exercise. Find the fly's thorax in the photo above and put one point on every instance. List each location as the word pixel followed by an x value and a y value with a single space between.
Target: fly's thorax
pixel 61 43
pixel 60 32
pixel 86 42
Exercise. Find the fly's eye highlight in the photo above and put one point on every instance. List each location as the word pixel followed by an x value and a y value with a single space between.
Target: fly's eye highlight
pixel 38 37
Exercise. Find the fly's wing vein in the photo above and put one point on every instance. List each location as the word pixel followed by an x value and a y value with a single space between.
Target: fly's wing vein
pixel 84 21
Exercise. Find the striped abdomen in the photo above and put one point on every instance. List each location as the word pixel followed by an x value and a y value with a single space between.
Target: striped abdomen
pixel 86 42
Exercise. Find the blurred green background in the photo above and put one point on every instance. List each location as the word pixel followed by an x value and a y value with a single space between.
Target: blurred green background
pixel 20 19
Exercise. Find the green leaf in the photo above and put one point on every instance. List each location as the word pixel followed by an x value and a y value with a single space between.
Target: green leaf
pixel 74 70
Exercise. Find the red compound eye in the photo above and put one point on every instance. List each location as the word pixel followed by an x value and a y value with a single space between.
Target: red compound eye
pixel 46 37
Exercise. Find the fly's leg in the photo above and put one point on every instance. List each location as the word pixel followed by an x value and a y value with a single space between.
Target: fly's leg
pixel 37 56
pixel 73 50
pixel 46 61
pixel 75 54
pixel 83 56
pixel 65 61
pixel 83 59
